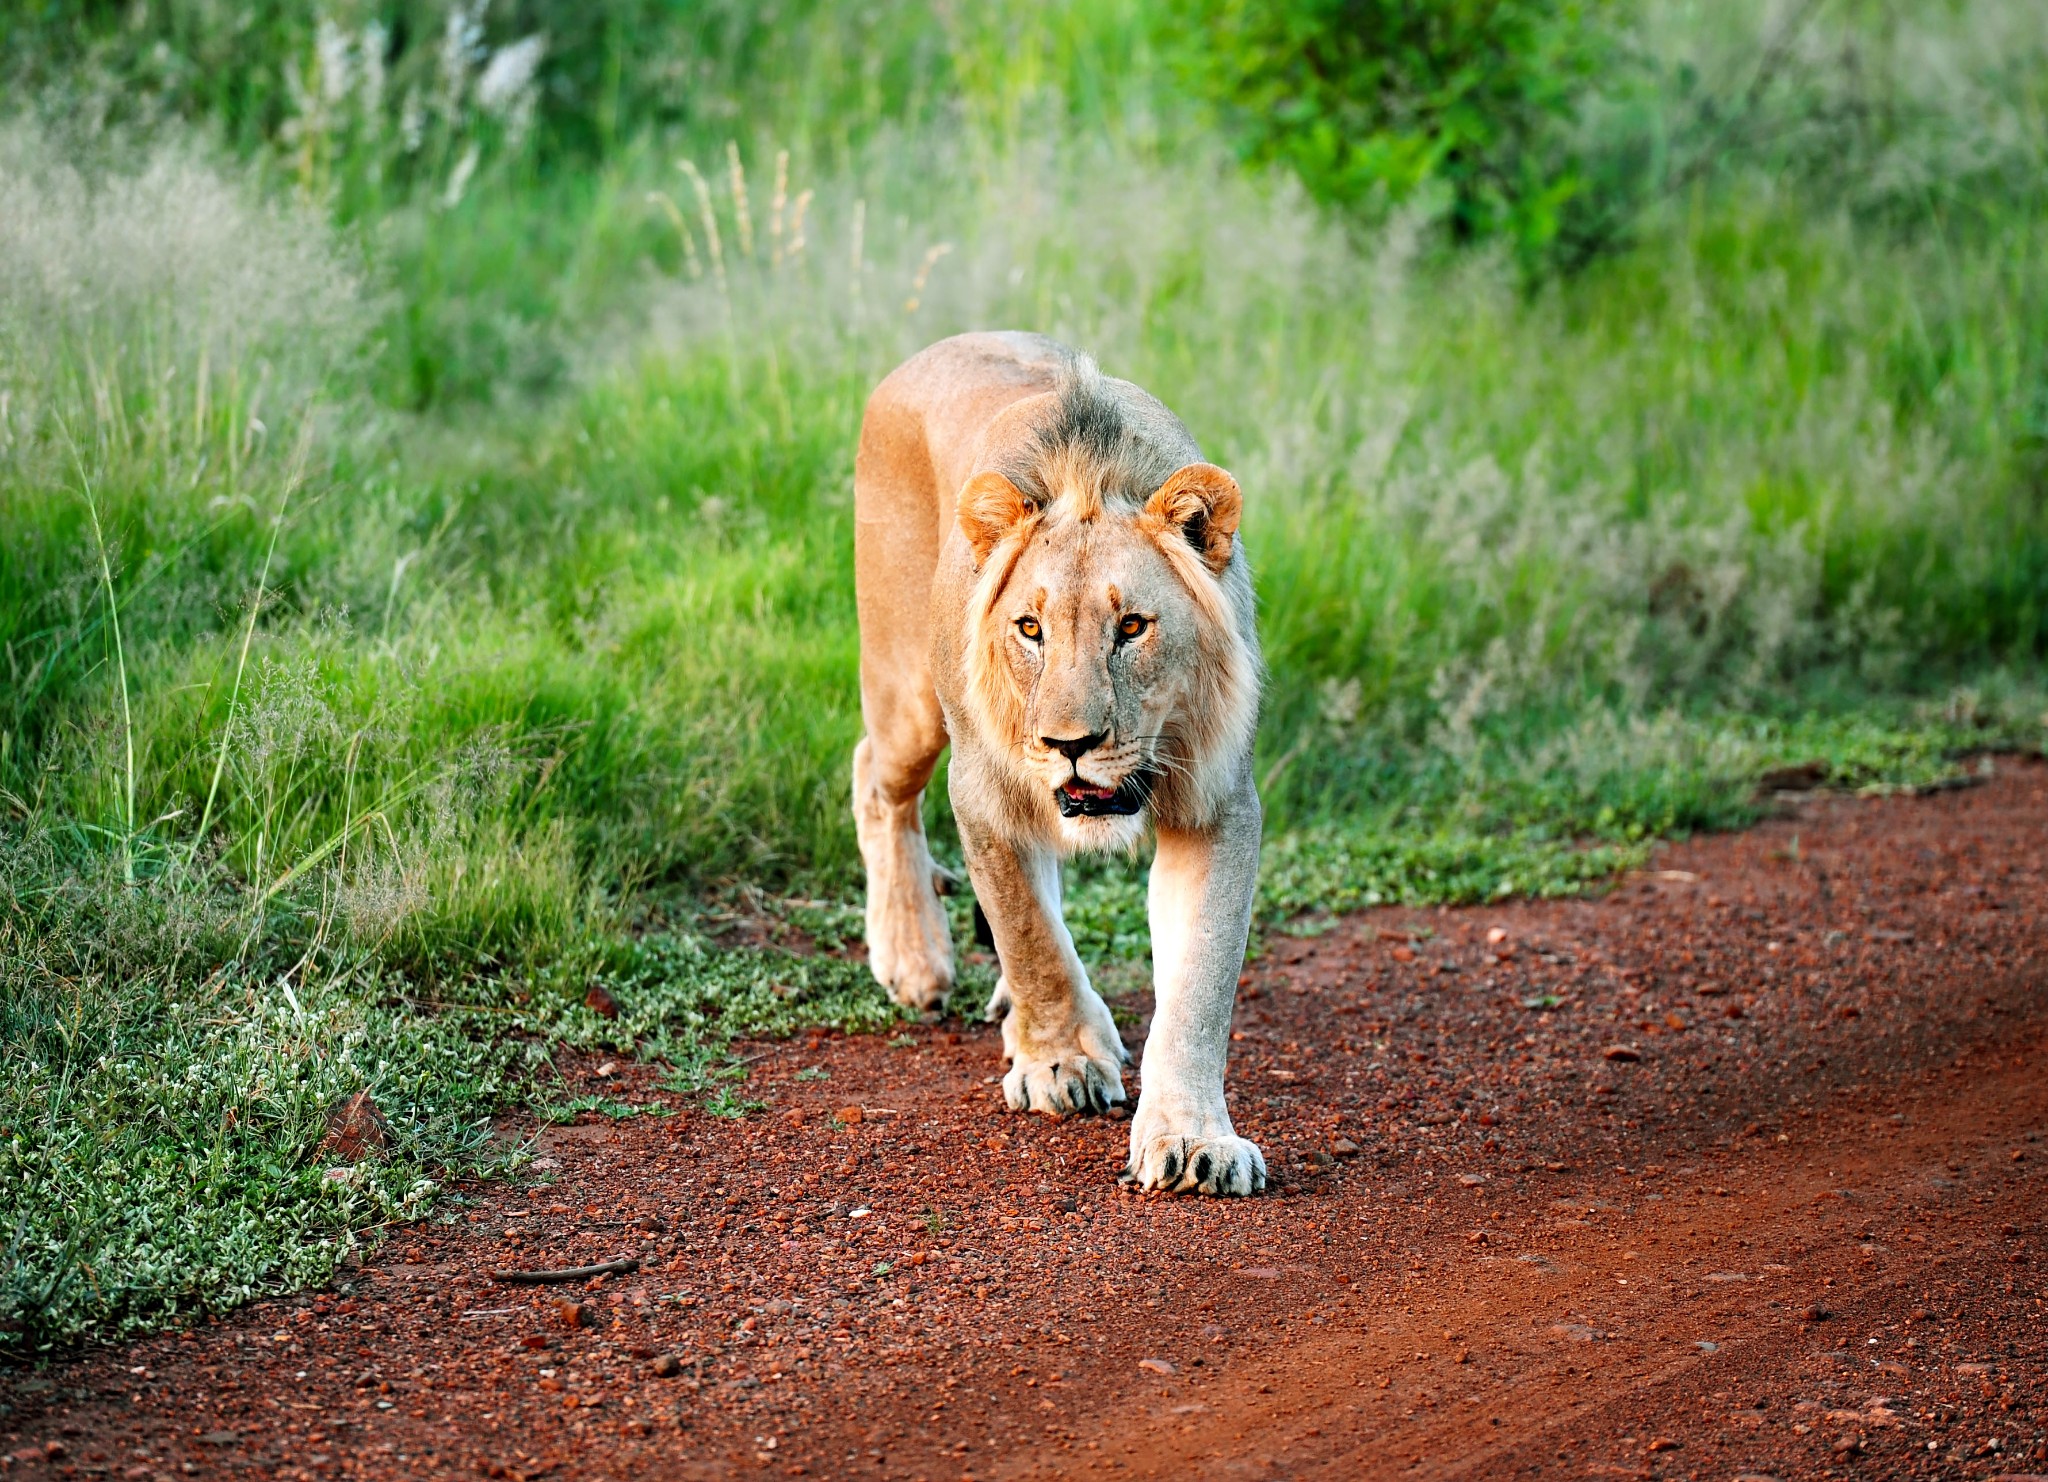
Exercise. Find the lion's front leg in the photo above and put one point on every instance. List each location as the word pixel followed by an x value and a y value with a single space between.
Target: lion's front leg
pixel 1064 1051
pixel 1200 902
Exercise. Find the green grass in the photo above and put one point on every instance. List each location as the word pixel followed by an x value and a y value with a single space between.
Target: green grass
pixel 419 607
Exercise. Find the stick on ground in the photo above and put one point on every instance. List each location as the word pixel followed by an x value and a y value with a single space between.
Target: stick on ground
pixel 572 1273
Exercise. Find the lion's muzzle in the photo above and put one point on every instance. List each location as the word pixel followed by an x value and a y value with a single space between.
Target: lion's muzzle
pixel 1078 799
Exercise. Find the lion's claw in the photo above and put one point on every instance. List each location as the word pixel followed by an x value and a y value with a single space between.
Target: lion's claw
pixel 1072 1065
pixel 1223 1166
pixel 1072 1084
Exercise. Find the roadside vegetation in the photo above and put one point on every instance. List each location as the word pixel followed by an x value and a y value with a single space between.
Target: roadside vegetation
pixel 425 487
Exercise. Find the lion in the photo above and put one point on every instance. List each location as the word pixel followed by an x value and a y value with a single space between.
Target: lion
pixel 1050 578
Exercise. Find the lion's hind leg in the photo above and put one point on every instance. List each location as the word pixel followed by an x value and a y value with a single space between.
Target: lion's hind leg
pixel 910 945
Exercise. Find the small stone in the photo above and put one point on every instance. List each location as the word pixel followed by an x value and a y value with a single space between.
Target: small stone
pixel 1403 954
pixel 1496 936
pixel 850 1115
pixel 668 1366
pixel 1664 1443
pixel 1156 1365
pixel 573 1314
pixel 600 1001
pixel 1626 1054
pixel 533 1340
pixel 1344 1147
pixel 1815 1314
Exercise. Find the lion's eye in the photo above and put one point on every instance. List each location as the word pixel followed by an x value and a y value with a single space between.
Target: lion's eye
pixel 1028 626
pixel 1132 626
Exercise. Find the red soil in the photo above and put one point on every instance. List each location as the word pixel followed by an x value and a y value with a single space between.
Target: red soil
pixel 1762 1193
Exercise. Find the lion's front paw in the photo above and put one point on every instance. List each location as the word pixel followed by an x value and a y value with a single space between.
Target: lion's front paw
pixel 1074 1067
pixel 1063 1085
pixel 1196 1165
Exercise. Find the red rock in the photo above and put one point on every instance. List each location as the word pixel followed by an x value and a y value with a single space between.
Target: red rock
pixel 1156 1365
pixel 848 1115
pixel 599 1001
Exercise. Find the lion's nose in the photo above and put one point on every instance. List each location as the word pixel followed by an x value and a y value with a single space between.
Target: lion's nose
pixel 1074 747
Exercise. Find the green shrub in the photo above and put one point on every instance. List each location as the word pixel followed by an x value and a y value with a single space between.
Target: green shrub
pixel 1376 103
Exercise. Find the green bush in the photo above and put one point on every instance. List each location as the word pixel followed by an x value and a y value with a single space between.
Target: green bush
pixel 1377 103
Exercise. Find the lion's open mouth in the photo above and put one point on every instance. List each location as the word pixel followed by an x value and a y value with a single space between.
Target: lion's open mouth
pixel 1078 799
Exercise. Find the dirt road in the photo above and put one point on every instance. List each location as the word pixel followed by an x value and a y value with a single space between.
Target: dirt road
pixel 1739 1171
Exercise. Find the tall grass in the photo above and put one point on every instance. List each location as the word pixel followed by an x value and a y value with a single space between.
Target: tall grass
pixel 464 587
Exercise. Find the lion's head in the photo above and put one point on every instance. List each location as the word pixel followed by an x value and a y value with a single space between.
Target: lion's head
pixel 1111 657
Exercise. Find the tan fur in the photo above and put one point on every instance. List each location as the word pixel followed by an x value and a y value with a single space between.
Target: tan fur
pixel 1050 577
pixel 1201 501
pixel 1215 721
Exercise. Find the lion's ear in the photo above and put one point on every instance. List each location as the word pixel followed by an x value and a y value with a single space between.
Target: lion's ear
pixel 990 507
pixel 1202 504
